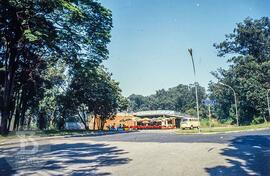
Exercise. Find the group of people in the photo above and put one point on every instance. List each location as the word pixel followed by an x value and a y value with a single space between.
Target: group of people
pixel 116 127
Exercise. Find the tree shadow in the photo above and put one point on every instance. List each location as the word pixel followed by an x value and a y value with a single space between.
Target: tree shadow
pixel 246 155
pixel 5 168
pixel 61 159
pixel 85 135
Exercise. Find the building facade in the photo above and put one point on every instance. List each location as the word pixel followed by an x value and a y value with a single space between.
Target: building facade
pixel 158 119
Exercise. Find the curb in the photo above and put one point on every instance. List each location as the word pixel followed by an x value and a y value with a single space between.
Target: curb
pixel 97 134
pixel 225 132
pixel 14 140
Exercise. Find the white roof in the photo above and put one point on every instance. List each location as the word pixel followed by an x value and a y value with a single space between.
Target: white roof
pixel 157 113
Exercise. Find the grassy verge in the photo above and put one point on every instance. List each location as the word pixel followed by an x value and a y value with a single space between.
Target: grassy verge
pixel 6 138
pixel 225 129
pixel 2 139
pixel 63 132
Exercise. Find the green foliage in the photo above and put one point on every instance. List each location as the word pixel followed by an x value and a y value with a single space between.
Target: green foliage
pixel 42 43
pixel 66 4
pixel 257 120
pixel 123 103
pixel 248 73
pixel 92 91
pixel 192 112
pixel 30 36
pixel 228 121
pixel 180 98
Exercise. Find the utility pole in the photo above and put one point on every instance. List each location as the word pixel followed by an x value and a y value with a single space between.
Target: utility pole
pixel 195 84
pixel 235 101
pixel 268 102
pixel 209 113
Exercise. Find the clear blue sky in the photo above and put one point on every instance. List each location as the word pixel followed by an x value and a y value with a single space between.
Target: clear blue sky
pixel 150 38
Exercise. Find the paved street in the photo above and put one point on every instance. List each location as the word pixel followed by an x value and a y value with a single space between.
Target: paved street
pixel 141 153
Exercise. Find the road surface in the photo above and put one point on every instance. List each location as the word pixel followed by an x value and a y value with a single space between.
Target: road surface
pixel 140 153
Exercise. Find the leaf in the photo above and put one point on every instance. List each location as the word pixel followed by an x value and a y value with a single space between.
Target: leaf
pixel 71 7
pixel 30 36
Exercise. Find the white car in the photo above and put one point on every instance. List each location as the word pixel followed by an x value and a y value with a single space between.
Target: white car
pixel 188 122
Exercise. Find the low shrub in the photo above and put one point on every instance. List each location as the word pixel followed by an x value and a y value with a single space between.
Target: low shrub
pixel 257 120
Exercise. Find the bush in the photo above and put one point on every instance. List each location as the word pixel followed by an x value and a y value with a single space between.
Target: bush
pixel 257 120
pixel 214 123
pixel 204 123
pixel 228 121
pixel 191 112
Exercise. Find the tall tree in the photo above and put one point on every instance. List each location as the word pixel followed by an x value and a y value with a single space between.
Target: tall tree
pixel 92 91
pixel 249 71
pixel 180 98
pixel 69 30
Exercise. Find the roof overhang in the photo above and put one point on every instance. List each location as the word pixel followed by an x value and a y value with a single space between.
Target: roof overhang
pixel 156 113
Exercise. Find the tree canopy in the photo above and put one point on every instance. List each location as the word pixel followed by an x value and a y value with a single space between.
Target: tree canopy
pixel 180 98
pixel 51 55
pixel 248 73
pixel 43 45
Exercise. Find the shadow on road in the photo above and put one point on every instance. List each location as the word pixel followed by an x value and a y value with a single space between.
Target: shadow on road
pixel 64 159
pixel 5 168
pixel 246 155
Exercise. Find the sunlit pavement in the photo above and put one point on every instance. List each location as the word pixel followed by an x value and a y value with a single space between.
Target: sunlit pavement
pixel 140 153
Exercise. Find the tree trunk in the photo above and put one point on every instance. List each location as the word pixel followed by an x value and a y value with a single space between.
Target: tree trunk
pixel 11 56
pixel 8 92
pixel 16 121
pixel 94 126
pixel 84 122
pixel 53 117
pixel 23 111
pixel 9 123
pixel 265 120
pixel 29 123
pixel 17 110
pixel 4 122
pixel 102 125
pixel 42 120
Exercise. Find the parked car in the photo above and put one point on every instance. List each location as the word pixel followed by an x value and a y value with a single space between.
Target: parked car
pixel 188 122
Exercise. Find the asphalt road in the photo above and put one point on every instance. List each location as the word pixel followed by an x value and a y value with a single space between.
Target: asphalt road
pixel 163 136
pixel 140 153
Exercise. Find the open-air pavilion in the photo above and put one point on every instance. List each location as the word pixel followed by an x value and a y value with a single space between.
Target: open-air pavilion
pixel 156 119
pixel 160 118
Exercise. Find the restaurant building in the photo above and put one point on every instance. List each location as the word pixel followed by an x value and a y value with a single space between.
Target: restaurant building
pixel 156 119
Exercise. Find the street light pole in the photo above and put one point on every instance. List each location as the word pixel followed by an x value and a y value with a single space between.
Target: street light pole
pixel 209 115
pixel 235 100
pixel 196 90
pixel 268 101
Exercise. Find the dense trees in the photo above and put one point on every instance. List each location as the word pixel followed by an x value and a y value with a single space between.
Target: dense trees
pixel 249 71
pixel 42 45
pixel 248 74
pixel 180 98
pixel 21 66
pixel 51 55
pixel 91 92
